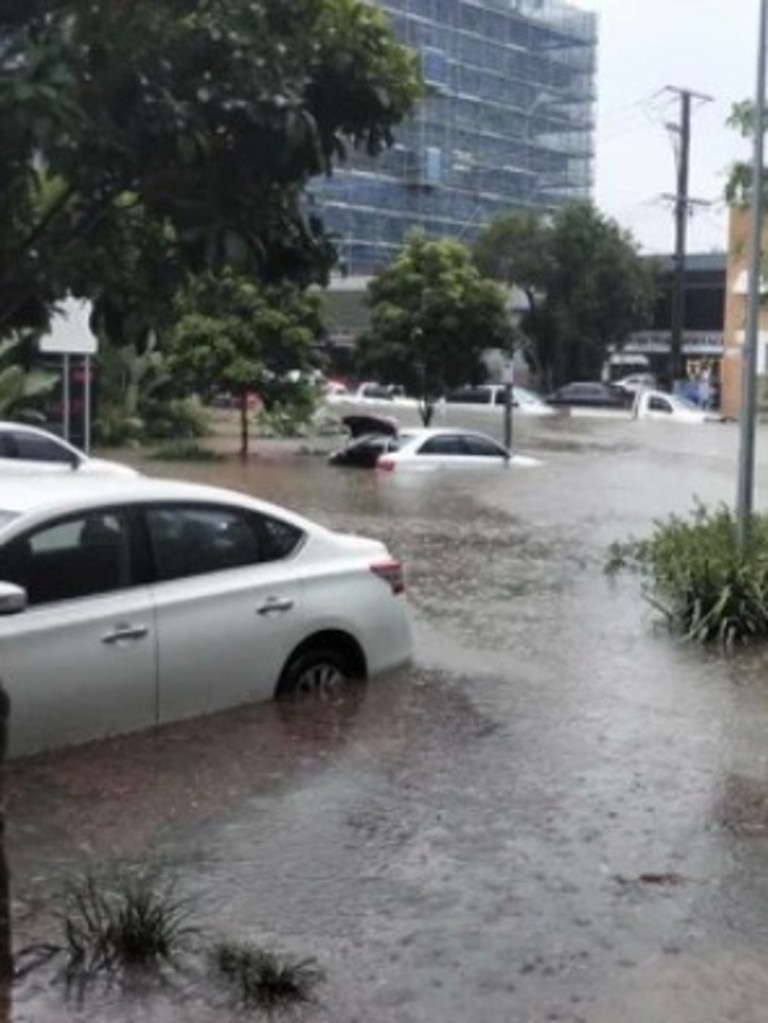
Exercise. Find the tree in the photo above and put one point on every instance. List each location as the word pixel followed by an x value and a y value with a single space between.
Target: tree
pixel 209 119
pixel 21 391
pixel 515 249
pixel 237 335
pixel 739 184
pixel 432 317
pixel 588 289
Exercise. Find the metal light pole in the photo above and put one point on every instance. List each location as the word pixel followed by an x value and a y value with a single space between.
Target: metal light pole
pixel 745 490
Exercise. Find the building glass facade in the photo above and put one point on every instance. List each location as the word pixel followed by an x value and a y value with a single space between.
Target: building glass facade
pixel 509 124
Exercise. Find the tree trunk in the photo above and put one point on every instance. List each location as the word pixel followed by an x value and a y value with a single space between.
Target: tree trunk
pixel 244 424
pixel 426 410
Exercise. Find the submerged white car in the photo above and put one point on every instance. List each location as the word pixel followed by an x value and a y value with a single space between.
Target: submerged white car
pixel 125 603
pixel 445 448
pixel 29 449
pixel 660 405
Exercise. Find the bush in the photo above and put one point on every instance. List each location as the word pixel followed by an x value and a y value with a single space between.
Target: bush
pixel 697 576
pixel 176 419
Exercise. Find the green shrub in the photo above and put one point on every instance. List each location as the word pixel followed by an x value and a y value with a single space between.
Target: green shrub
pixel 698 577
pixel 176 419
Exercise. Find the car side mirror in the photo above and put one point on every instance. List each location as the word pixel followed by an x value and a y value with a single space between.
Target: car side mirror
pixel 13 599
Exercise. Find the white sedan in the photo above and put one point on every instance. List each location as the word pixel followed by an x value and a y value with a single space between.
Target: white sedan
pixel 125 603
pixel 671 407
pixel 445 448
pixel 29 449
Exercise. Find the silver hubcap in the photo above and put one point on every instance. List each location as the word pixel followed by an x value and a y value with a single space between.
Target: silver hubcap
pixel 320 680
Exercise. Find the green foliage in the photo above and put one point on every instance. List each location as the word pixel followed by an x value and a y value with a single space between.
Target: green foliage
pixel 130 921
pixel 185 451
pixel 432 317
pixel 697 576
pixel 738 187
pixel 514 248
pixel 586 284
pixel 263 980
pixel 136 397
pixel 193 132
pixel 22 392
pixel 291 416
pixel 237 335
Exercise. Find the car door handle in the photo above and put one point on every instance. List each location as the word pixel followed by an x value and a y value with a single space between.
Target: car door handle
pixel 121 632
pixel 275 604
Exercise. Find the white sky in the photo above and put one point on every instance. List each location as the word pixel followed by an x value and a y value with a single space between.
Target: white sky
pixel 707 46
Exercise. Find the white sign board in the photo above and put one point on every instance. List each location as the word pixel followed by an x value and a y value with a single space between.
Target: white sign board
pixel 70 331
pixel 508 373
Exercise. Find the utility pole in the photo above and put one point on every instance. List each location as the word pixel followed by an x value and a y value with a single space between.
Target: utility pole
pixel 746 478
pixel 682 206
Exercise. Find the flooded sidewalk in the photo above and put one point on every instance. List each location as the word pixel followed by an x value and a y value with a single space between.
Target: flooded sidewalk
pixel 558 814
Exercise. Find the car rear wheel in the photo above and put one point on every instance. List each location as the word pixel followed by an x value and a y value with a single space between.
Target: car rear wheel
pixel 317 672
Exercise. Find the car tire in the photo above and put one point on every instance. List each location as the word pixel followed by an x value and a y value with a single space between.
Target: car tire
pixel 318 673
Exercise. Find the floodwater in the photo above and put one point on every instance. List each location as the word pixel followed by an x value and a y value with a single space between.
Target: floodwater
pixel 559 814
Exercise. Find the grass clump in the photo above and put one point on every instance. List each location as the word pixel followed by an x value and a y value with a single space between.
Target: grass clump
pixel 705 586
pixel 128 922
pixel 263 980
pixel 185 451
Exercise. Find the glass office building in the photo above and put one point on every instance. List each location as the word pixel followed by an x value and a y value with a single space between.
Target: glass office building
pixel 508 124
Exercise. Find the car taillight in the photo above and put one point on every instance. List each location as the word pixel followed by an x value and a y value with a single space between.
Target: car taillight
pixel 385 463
pixel 392 572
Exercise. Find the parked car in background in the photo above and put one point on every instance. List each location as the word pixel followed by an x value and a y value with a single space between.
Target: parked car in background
pixel 369 437
pixel 672 407
pixel 588 394
pixel 630 385
pixel 372 391
pixel 125 603
pixel 26 448
pixel 444 448
pixel 491 395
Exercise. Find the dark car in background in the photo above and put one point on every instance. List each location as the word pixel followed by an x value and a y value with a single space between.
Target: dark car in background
pixel 589 394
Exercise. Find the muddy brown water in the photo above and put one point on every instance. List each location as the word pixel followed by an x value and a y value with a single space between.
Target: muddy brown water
pixel 559 813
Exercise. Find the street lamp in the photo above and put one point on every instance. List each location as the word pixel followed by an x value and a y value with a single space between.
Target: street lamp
pixel 745 490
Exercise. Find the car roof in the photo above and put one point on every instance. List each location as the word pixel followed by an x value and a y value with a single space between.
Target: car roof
pixel 11 424
pixel 30 494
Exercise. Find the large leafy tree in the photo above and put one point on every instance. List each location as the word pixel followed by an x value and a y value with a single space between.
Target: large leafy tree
pixel 586 283
pixel 432 317
pixel 205 120
pixel 241 336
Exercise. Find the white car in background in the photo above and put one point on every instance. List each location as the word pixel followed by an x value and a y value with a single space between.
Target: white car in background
pixel 671 407
pixel 490 396
pixel 29 449
pixel 445 448
pixel 126 603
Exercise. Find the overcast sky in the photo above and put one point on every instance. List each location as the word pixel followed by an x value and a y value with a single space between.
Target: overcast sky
pixel 708 46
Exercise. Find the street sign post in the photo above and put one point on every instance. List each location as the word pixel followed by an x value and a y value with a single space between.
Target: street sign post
pixel 70 334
